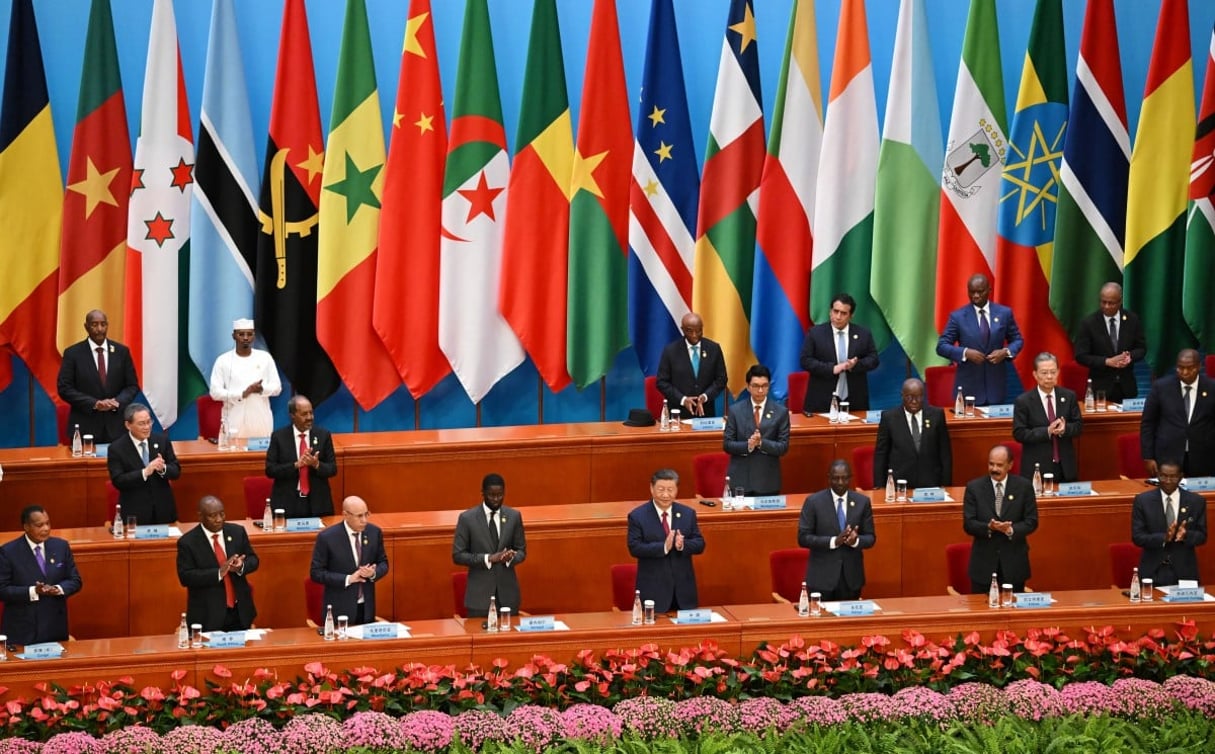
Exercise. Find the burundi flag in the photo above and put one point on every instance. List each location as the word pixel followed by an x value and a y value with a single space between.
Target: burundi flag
pixel 1090 223
pixel 597 303
pixel 478 342
pixel 158 228
pixel 725 227
pixel 285 281
pixel 350 221
pixel 31 205
pixel 223 217
pixel 1030 190
pixel 405 310
pixel 93 252
pixel 780 298
pixel 908 201
pixel 662 197
pixel 1200 228
pixel 1158 190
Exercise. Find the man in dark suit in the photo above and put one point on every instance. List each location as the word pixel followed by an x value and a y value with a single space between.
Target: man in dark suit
pixel 214 560
pixel 692 370
pixel 1045 421
pixel 1109 343
pixel 1179 419
pixel 756 436
pixel 980 338
pixel 37 575
pixel 141 465
pixel 301 461
pixel 663 536
pixel 1000 511
pixel 97 379
pixel 913 442
pixel 839 356
pixel 836 525
pixel 1168 524
pixel 490 542
pixel 348 559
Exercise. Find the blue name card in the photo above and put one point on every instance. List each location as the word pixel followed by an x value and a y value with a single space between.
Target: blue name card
pixel 226 639
pixel 308 523
pixel 46 651
pixel 703 615
pixel 537 623
pixel 769 503
pixel 928 495
pixel 998 411
pixel 1133 404
pixel 380 630
pixel 101 450
pixel 1185 594
pixel 709 423
pixel 1032 599
pixel 152 531
pixel 1074 489
pixel 258 443
pixel 873 416
pixel 1200 483
pixel 857 607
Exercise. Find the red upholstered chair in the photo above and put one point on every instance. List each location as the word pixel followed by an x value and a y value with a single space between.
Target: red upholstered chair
pixel 788 568
pixel 1124 558
pixel 1015 448
pixel 111 502
pixel 710 470
pixel 957 565
pixel 798 382
pixel 1211 365
pixel 459 584
pixel 938 382
pixel 653 398
pixel 862 467
pixel 624 586
pixel 61 418
pixel 1075 378
pixel 1130 462
pixel 257 492
pixel 314 598
pixel 210 413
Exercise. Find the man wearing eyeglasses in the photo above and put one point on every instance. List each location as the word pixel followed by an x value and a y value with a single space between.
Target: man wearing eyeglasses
pixel 692 370
pixel 756 436
pixel 348 559
pixel 1046 419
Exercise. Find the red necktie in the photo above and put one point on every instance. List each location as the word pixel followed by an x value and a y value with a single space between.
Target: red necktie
pixel 756 407
pixel 1050 418
pixel 666 528
pixel 304 482
pixel 100 364
pixel 229 590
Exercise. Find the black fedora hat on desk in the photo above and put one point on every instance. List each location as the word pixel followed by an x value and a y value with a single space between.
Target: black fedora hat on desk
pixel 639 417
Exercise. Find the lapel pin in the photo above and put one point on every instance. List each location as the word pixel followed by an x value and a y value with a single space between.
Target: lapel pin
pixel 111 349
pixel 53 560
pixel 995 319
pixel 677 514
pixel 927 422
pixel 1062 399
pixel 1010 497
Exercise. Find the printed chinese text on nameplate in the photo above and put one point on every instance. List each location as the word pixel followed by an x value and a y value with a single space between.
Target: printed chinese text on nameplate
pixel 1200 483
pixel 873 416
pixel 769 503
pixel 1185 594
pixel 857 607
pixel 928 495
pixel 258 443
pixel 309 523
pixel 226 639
pixel 703 615
pixel 45 651
pixel 1032 599
pixel 380 630
pixel 1133 404
pixel 1074 489
pixel 537 623
pixel 999 411
pixel 709 423
pixel 152 531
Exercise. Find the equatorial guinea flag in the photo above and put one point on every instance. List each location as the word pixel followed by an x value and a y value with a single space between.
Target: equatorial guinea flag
pixel 1200 227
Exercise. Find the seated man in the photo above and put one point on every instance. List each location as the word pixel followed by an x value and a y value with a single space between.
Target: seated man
pixel 37 575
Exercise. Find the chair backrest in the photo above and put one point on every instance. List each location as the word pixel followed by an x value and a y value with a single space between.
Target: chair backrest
pixel 1014 447
pixel 938 382
pixel 788 569
pixel 257 492
pixel 1124 557
pixel 862 466
pixel 314 599
pixel 624 586
pixel 1211 365
pixel 1130 463
pixel 210 412
pixel 62 410
pixel 957 566
pixel 798 382
pixel 111 501
pixel 1074 377
pixel 710 472
pixel 653 398
pixel 459 585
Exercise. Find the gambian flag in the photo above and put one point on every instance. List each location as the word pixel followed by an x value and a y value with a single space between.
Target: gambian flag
pixel 1158 191
pixel 1200 228
pixel 1030 190
pixel 780 301
pixel 598 316
pixel 92 255
pixel 350 221
pixel 31 205
pixel 725 237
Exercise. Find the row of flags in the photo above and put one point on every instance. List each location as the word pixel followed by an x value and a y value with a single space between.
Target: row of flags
pixel 374 264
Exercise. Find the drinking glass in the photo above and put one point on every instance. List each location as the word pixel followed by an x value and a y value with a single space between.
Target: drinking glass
pixel 739 494
pixel 649 613
pixel 343 627
pixel 132 523
pixel 504 619
pixel 900 490
pixel 1006 595
pixel 1048 484
pixel 90 449
pixel 674 420
pixel 280 519
pixel 970 407
pixel 816 604
pixel 1100 401
pixel 195 636
pixel 1145 590
pixel 844 412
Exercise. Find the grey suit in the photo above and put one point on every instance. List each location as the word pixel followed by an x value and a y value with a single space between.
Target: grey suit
pixel 757 471
pixel 472 545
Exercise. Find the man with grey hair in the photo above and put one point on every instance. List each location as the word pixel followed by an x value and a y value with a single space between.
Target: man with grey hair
pixel 244 380
pixel 663 536
pixel 1045 421
pixel 1109 343
pixel 141 463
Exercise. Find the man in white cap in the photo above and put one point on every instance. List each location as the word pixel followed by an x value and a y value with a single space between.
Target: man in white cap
pixel 244 380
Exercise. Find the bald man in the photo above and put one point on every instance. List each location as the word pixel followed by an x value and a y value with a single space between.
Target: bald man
pixel 692 370
pixel 1109 343
pixel 348 559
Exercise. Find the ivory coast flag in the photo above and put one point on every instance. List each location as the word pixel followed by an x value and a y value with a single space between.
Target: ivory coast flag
pixel 350 221
pixel 1200 228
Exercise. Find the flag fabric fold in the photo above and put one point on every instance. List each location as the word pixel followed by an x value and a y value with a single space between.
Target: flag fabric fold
pixel 1199 276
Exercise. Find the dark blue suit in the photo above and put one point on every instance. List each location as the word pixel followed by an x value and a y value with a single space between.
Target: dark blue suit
pixel 27 622
pixel 1166 563
pixel 837 573
pixel 333 561
pixel 1164 432
pixel 676 381
pixel 80 387
pixel 819 358
pixel 986 382
pixel 665 577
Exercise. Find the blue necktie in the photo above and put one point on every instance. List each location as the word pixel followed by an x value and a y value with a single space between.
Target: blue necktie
pixel 695 361
pixel 984 328
pixel 143 452
pixel 840 515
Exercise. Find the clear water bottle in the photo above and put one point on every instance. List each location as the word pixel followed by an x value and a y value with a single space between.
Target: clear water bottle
pixel 664 421
pixel 268 517
pixel 727 494
pixel 1090 400
pixel 834 414
pixel 225 443
pixel 803 603
pixel 330 634
pixel 890 491
pixel 183 633
pixel 491 618
pixel 637 614
pixel 1037 480
pixel 117 529
pixel 959 403
pixel 1135 592
pixel 993 592
pixel 77 443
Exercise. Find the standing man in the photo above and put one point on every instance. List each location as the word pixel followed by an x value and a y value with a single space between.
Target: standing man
pixel 141 465
pixel 756 436
pixel 1109 343
pixel 490 542
pixel 348 559
pixel 999 510
pixel 663 536
pixel 301 461
pixel 1045 421
pixel 913 442
pixel 692 370
pixel 214 560
pixel 97 379
pixel 839 356
pixel 836 525
pixel 980 337
pixel 37 575
pixel 1168 524
pixel 244 380
pixel 1179 419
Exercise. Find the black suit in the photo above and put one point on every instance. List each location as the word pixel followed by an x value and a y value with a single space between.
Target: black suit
pixel 676 380
pixel 473 542
pixel 819 359
pixel 198 572
pixel 1164 432
pixel 930 466
pixel 668 578
pixel 280 466
pixel 756 471
pixel 149 500
pixel 80 387
pixel 1093 347
pixel 1029 429
pixel 33 622
pixel 837 573
pixel 993 552
pixel 333 560
pixel 1167 563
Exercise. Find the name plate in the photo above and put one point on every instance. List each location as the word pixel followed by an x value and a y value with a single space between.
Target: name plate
pixel 46 651
pixel 1200 483
pixel 873 416
pixel 1032 599
pixel 1186 594
pixel 226 639
pixel 1074 489
pixel 998 411
pixel 703 615
pixel 769 503
pixel 380 630
pixel 1133 404
pixel 258 443
pixel 308 523
pixel 857 607
pixel 152 531
pixel 102 450
pixel 928 495
pixel 709 423
pixel 537 623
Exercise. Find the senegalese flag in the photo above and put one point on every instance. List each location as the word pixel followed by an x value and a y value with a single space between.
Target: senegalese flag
pixel 350 221
pixel 31 204
pixel 723 275
pixel 1159 189
pixel 1200 228
pixel 597 304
